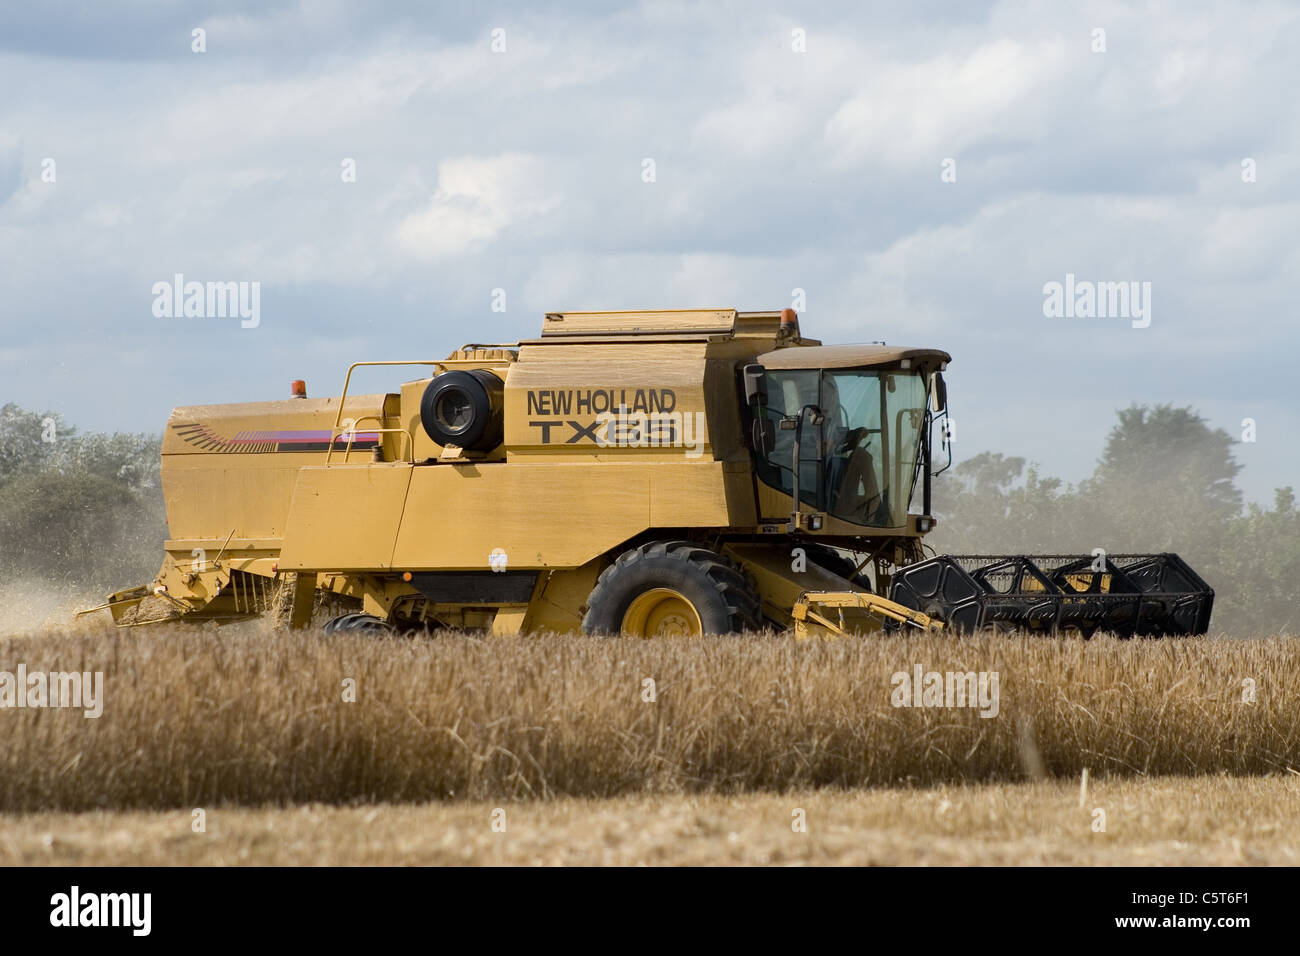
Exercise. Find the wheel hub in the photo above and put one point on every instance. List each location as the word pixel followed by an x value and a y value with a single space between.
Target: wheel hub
pixel 662 612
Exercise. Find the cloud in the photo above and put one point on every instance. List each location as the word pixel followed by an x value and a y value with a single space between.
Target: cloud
pixel 776 170
pixel 476 200
pixel 910 113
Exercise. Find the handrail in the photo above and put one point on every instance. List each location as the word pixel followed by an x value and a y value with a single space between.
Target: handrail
pixel 352 433
pixel 338 416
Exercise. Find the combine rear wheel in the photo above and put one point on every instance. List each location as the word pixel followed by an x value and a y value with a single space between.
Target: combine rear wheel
pixel 671 588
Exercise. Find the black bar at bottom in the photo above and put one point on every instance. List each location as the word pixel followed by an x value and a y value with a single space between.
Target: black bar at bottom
pixel 582 908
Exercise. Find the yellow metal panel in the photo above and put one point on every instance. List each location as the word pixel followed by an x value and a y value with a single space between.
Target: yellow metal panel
pixel 667 321
pixel 218 478
pixel 210 495
pixel 557 514
pixel 563 398
pixel 345 517
pixel 540 515
pixel 558 605
pixel 774 506
pixel 699 495
pixel 609 365
pixel 200 429
pixel 424 446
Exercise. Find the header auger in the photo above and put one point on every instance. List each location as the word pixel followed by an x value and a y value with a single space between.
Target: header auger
pixel 651 473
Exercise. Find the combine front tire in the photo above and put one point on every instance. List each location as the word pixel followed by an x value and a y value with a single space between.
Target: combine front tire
pixel 358 624
pixel 671 588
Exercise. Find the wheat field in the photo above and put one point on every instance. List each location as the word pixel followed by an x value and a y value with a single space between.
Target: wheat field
pixel 242 716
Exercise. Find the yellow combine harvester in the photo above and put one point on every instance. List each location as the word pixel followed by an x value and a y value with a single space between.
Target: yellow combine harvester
pixel 649 473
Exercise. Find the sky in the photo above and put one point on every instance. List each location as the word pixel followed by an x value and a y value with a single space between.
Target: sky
pixel 913 172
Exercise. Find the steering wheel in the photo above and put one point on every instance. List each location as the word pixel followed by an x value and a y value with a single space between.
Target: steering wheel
pixel 852 438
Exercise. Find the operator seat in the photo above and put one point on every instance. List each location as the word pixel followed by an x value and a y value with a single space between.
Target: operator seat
pixel 853 483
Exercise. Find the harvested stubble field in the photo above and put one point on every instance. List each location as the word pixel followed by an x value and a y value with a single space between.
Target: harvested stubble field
pixel 205 717
pixel 1165 821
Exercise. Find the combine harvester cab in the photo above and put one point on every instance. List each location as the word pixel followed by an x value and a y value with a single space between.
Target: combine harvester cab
pixel 648 473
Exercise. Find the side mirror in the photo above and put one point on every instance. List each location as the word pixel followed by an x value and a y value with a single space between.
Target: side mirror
pixel 939 395
pixel 755 377
pixel 763 435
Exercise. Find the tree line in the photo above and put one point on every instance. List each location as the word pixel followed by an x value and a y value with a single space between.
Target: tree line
pixel 1165 481
pixel 79 510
